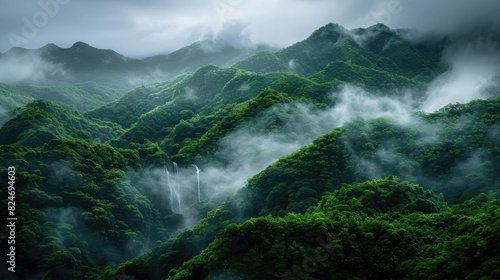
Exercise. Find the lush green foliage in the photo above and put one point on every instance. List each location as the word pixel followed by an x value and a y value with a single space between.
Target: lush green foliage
pixel 452 150
pixel 126 110
pixel 195 107
pixel 377 229
pixel 83 207
pixel 41 121
pixel 370 78
pixel 297 182
pixel 377 48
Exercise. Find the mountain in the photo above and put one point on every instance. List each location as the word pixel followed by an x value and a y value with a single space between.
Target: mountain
pixel 331 54
pixel 377 47
pixel 307 162
pixel 82 63
pixel 198 54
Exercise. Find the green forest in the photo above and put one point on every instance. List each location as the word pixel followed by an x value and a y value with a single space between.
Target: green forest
pixel 315 161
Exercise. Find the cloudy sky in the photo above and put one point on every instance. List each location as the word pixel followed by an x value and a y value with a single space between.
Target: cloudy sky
pixel 140 28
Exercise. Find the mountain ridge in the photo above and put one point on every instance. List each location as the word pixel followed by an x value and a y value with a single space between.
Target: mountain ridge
pixel 82 63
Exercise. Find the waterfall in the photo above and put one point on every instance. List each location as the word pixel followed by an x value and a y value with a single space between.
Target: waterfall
pixel 198 177
pixel 171 190
pixel 177 187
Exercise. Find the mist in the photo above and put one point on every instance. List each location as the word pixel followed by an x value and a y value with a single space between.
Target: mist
pixel 18 66
pixel 4 116
pixel 151 75
pixel 474 71
pixel 285 128
pixel 261 141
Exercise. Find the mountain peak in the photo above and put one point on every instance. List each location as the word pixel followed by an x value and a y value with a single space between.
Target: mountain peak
pixel 330 28
pixel 374 29
pixel 379 26
pixel 98 54
pixel 50 47
pixel 335 26
pixel 328 33
pixel 81 44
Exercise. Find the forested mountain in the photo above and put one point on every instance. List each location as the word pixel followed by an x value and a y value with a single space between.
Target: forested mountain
pixel 83 77
pixel 320 160
pixel 375 48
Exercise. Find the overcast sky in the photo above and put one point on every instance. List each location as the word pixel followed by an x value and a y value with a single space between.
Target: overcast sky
pixel 147 27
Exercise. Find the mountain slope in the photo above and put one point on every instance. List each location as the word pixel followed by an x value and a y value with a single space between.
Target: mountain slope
pixel 296 183
pixel 72 193
pixel 352 234
pixel 41 121
pixel 206 95
pixel 196 55
pixel 377 47
pixel 81 97
pixel 127 110
pixel 220 86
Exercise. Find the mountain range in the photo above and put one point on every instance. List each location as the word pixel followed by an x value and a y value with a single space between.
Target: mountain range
pixel 96 76
pixel 355 154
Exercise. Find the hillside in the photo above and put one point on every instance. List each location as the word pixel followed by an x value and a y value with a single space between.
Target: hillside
pixel 80 97
pixel 40 121
pixel 377 47
pixel 352 234
pixel 297 182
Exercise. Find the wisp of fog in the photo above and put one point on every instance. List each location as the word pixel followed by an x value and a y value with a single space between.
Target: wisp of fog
pixel 24 66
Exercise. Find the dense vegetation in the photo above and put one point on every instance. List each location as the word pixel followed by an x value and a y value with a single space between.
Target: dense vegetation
pixel 97 189
pixel 41 121
pixel 298 181
pixel 377 229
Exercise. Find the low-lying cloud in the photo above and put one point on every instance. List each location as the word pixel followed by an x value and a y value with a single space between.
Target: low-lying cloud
pixel 18 66
pixel 474 69
pixel 258 143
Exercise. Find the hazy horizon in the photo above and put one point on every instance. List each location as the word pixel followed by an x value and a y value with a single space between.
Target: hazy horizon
pixel 160 27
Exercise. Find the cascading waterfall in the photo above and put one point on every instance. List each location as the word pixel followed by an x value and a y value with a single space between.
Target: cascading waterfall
pixel 177 187
pixel 198 177
pixel 171 190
